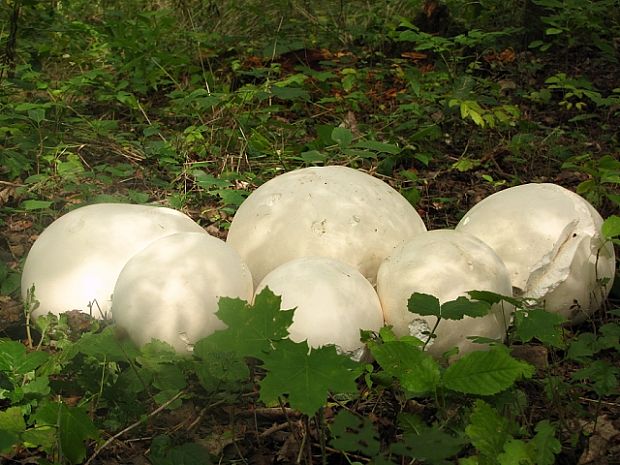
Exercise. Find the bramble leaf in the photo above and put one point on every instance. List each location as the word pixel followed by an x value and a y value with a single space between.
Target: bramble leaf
pixel 424 304
pixel 306 377
pixel 462 306
pixel 416 371
pixel 516 452
pixel 611 227
pixel 485 373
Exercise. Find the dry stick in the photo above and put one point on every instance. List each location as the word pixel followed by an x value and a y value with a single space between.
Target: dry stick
pixel 132 426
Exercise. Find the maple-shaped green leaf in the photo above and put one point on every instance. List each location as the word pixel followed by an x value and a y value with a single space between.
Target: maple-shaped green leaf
pixel 73 428
pixel 107 345
pixel 432 446
pixel 353 433
pixel 251 329
pixel 545 444
pixel 540 324
pixel 416 371
pixel 488 431
pixel 485 372
pixel 306 377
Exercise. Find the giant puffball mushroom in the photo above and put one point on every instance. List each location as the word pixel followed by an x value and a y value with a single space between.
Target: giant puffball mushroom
pixel 170 290
pixel 75 261
pixel 333 302
pixel 330 211
pixel 550 240
pixel 446 264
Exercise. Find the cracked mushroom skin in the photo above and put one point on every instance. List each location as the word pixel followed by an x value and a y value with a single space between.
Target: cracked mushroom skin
pixel 170 290
pixel 330 211
pixel 550 239
pixel 333 302
pixel 75 261
pixel 446 264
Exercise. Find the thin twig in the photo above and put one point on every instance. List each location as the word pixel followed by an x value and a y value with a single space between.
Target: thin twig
pixel 133 426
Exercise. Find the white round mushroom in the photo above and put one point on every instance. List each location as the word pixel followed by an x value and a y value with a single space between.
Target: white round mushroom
pixel 446 264
pixel 75 261
pixel 330 211
pixel 550 240
pixel 333 302
pixel 170 290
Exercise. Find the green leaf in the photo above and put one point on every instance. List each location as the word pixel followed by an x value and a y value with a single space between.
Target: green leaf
pixel 462 306
pixel 306 377
pixel 540 324
pixel 379 147
pixel 433 446
pixel 516 452
pixel 353 433
pixel 12 420
pixel 424 304
pixel 251 330
pixel 545 444
pixel 290 93
pixel 313 156
pixel 494 298
pixel 611 227
pixel 485 373
pixel 163 452
pixel 31 205
pixel 106 345
pixel 416 371
pixel 8 439
pixel 73 428
pixel 488 430
pixel 342 136
pixel 603 374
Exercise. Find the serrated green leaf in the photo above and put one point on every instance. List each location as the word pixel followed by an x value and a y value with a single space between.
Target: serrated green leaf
pixel 540 324
pixel 12 420
pixel 106 345
pixel 545 444
pixel 342 136
pixel 216 368
pixel 353 433
pixel 611 227
pixel 462 306
pixel 416 371
pixel 424 304
pixel 494 298
pixel 251 330
pixel 516 452
pixel 433 446
pixel 603 374
pixel 485 373
pixel 306 377
pixel 73 428
pixel 488 430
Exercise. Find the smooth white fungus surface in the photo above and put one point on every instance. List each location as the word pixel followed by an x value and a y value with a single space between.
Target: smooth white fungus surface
pixel 330 211
pixel 550 240
pixel 75 261
pixel 446 264
pixel 333 302
pixel 170 290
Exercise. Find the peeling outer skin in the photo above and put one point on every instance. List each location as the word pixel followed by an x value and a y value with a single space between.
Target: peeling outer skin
pixel 564 276
pixel 446 264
